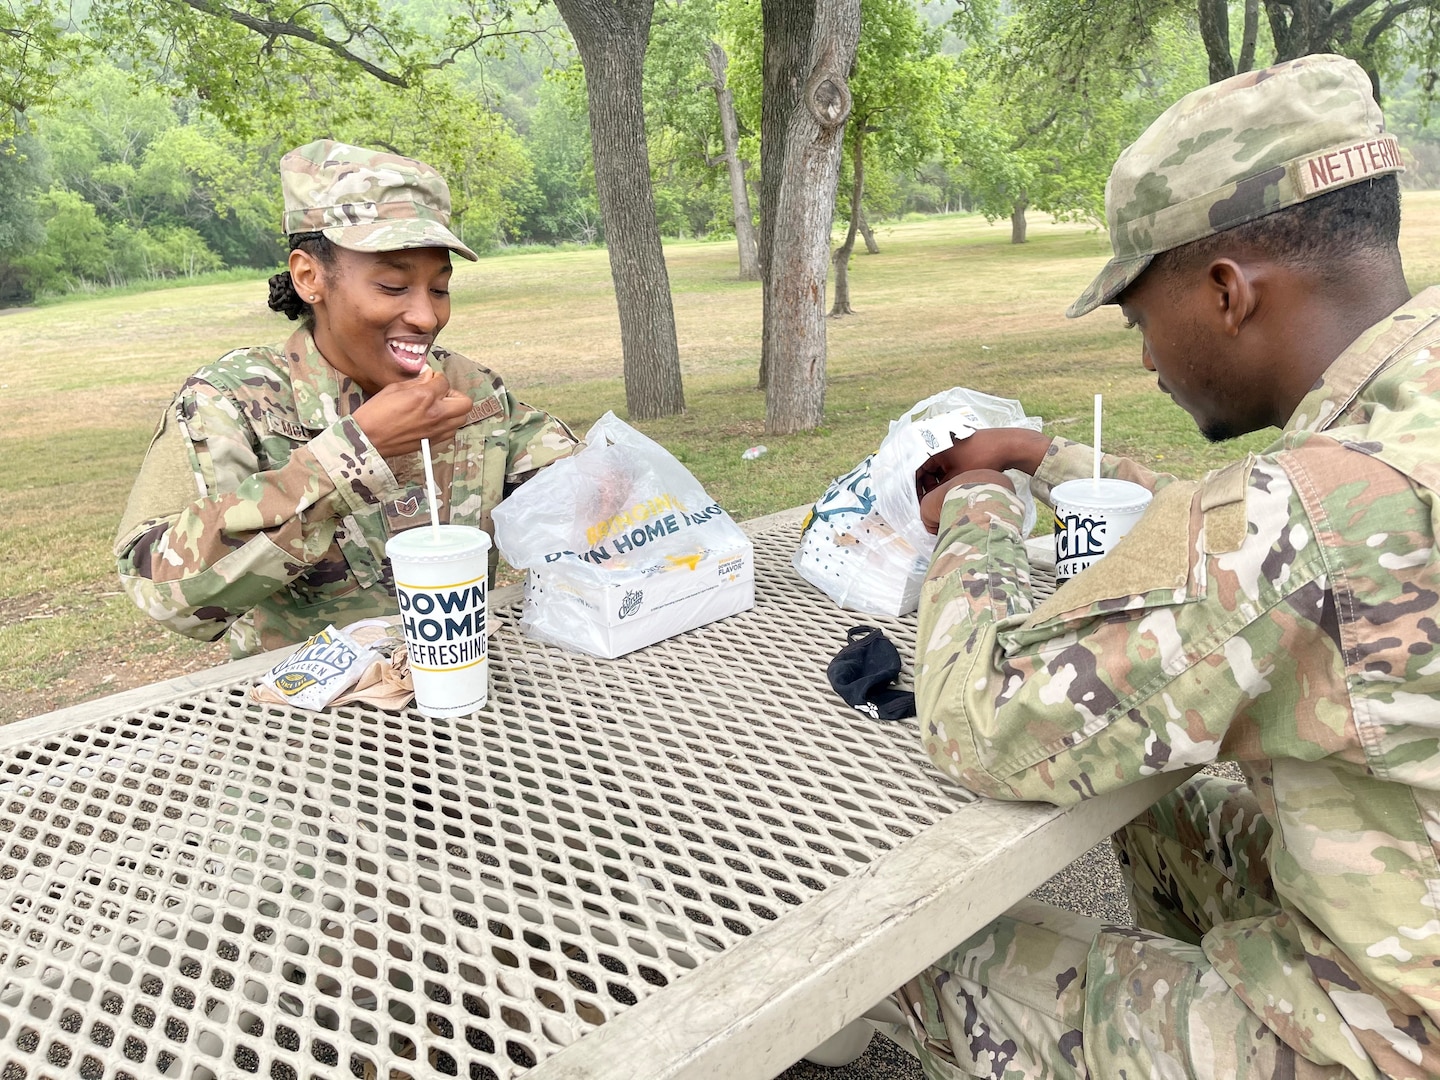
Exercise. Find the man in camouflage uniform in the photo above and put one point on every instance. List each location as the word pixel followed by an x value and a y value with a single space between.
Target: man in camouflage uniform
pixel 263 505
pixel 1281 613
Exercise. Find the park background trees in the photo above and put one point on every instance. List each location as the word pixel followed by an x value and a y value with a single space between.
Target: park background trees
pixel 907 95
pixel 1022 146
pixel 140 137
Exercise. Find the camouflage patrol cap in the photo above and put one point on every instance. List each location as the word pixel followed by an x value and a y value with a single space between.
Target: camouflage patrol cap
pixel 366 200
pixel 1235 151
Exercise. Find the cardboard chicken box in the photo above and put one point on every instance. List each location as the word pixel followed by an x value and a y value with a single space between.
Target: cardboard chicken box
pixel 629 607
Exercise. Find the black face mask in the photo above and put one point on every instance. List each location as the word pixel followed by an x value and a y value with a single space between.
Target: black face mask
pixel 862 672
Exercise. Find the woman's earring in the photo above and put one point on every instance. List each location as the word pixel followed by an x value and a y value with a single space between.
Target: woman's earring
pixel 313 298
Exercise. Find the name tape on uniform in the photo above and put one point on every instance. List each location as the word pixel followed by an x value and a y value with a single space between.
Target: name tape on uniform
pixel 1347 164
pixel 483 410
pixel 291 429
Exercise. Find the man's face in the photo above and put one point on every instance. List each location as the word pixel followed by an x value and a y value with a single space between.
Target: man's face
pixel 1180 315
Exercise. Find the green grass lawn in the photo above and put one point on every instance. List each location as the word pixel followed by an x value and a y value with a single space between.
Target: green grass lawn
pixel 949 301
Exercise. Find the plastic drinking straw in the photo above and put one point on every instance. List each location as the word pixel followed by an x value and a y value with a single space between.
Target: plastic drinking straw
pixel 433 494
pixel 1097 437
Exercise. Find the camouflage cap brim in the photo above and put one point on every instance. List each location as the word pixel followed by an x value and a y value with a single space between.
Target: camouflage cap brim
pixel 396 235
pixel 1117 276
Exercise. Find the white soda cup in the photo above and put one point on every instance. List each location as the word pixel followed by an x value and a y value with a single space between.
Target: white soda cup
pixel 1091 515
pixel 441 574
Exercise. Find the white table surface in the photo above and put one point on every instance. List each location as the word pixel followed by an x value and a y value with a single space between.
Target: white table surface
pixel 693 861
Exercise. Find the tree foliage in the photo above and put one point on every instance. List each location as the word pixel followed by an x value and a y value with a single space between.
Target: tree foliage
pixel 1026 141
pixel 904 88
pixel 168 134
pixel 1409 115
pixel 563 207
pixel 172 154
pixel 251 58
pixel 35 53
pixel 680 111
pixel 156 132
pixel 905 96
pixel 1080 40
pixel 122 189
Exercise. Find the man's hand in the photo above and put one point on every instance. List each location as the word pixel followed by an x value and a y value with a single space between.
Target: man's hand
pixel 995 449
pixel 934 499
pixel 403 413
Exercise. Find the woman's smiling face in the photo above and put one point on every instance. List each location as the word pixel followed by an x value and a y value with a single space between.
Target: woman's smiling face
pixel 376 313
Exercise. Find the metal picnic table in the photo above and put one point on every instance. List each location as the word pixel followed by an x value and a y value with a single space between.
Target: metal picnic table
pixel 693 861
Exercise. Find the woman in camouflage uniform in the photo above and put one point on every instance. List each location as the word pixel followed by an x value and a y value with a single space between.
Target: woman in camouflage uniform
pixel 277 473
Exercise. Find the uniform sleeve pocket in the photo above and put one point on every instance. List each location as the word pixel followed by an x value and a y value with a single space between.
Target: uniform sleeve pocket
pixel 1157 564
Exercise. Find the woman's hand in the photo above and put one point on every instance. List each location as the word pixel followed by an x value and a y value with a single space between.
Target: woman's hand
pixel 995 449
pixel 932 501
pixel 401 414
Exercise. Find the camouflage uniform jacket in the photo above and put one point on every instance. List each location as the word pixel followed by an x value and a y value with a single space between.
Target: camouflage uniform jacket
pixel 263 509
pixel 1284 612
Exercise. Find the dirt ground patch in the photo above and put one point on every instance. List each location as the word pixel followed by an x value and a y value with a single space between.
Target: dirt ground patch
pixel 35 606
pixel 109 670
pixel 151 654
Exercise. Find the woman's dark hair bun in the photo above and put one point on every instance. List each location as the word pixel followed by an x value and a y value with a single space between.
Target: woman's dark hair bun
pixel 284 298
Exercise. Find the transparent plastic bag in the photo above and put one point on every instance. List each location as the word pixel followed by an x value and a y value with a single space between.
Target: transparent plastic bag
pixel 925 429
pixel 863 543
pixel 849 552
pixel 622 545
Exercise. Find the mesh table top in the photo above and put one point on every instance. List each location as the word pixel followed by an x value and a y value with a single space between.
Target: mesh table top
pixel 210 887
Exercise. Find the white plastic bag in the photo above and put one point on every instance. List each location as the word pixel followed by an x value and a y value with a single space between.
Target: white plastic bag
pixel 849 552
pixel 926 429
pixel 622 545
pixel 863 543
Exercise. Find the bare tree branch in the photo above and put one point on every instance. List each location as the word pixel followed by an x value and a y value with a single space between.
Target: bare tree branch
pixel 540 33
pixel 1387 19
pixel 1279 27
pixel 272 28
pixel 1035 129
pixel 1345 14
pixel 1249 35
pixel 1214 18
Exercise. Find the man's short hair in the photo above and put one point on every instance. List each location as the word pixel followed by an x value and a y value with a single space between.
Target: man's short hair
pixel 1325 236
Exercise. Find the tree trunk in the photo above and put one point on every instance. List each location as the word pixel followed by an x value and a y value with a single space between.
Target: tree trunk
pixel 787 29
pixel 804 206
pixel 1307 25
pixel 871 247
pixel 1017 220
pixel 1215 33
pixel 1299 27
pixel 730 137
pixel 1248 36
pixel 611 37
pixel 842 254
pixel 1279 30
pixel 1302 27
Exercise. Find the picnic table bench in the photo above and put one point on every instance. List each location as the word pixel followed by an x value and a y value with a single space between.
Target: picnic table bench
pixel 693 861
